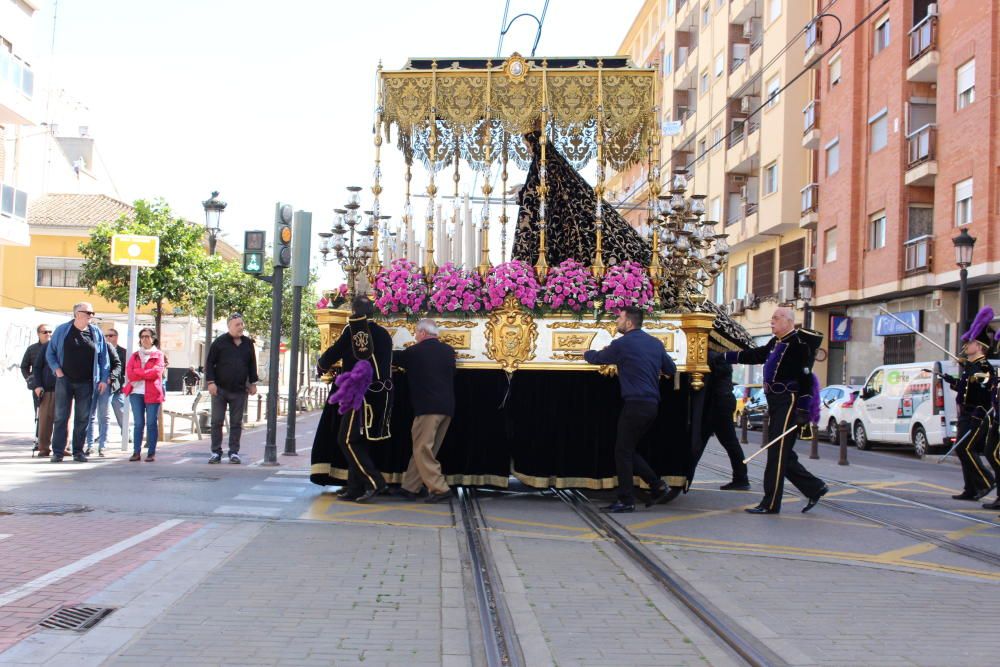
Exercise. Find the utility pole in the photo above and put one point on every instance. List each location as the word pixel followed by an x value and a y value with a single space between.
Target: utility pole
pixel 301 231
pixel 282 258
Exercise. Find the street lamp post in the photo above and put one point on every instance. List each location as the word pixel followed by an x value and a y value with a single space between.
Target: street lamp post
pixel 213 214
pixel 806 285
pixel 964 244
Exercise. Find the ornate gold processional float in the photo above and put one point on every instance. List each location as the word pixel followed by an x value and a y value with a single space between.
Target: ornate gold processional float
pixel 527 404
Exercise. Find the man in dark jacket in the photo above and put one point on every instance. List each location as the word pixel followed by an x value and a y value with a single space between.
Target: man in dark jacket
pixel 28 364
pixel 44 381
pixel 231 371
pixel 640 359
pixel 362 341
pixel 719 419
pixel 430 371
pixel 117 382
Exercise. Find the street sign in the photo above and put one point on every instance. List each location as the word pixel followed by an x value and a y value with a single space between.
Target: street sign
pixel 671 128
pixel 133 250
pixel 282 347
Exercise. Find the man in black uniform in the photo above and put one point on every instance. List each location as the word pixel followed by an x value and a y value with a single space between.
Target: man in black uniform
pixel 788 385
pixel 719 419
pixel 974 390
pixel 28 367
pixel 363 341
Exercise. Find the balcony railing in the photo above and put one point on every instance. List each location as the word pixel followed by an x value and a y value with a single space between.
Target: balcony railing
pixel 809 115
pixel 918 254
pixel 682 113
pixel 749 208
pixel 923 37
pixel 920 145
pixel 810 198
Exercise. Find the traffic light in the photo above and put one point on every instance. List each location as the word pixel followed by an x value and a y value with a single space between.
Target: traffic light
pixel 253 251
pixel 282 234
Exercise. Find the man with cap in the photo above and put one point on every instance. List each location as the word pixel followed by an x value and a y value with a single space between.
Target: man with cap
pixel 791 393
pixel 364 392
pixel 975 388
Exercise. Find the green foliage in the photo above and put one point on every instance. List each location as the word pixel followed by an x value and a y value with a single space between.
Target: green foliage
pixel 180 277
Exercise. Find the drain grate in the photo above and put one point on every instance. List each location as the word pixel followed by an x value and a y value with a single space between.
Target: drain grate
pixel 45 508
pixel 78 617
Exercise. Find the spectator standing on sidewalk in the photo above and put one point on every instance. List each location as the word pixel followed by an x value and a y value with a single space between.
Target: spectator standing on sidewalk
pixel 28 362
pixel 78 355
pixel 430 371
pixel 117 397
pixel 45 392
pixel 99 406
pixel 144 373
pixel 231 371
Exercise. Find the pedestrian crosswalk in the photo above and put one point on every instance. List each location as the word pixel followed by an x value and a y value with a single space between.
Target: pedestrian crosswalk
pixel 270 497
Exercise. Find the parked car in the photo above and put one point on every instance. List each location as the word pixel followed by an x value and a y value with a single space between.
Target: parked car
pixel 908 404
pixel 755 408
pixel 745 393
pixel 836 403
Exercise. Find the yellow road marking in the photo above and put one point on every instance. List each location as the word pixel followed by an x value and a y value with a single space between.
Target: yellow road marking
pixel 965 532
pixel 899 554
pixel 696 514
pixel 376 522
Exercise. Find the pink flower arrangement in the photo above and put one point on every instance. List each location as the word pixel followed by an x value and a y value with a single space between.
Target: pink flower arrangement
pixel 456 289
pixel 334 298
pixel 514 277
pixel 570 285
pixel 400 288
pixel 627 284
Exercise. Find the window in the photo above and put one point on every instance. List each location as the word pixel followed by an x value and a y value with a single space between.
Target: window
pixel 715 209
pixel 763 274
pixel 702 148
pixel 920 221
pixel 881 36
pixel 878 131
pixel 835 70
pixel 899 349
pixel 58 271
pixel 719 3
pixel 833 157
pixel 668 63
pixel 771 178
pixel 706 16
pixel 773 10
pixel 13 202
pixel 740 281
pixel 830 245
pixel 720 288
pixel 965 84
pixel 717 138
pixel 670 7
pixel 963 202
pixel 703 86
pixel 772 91
pixel 720 64
pixel 876 231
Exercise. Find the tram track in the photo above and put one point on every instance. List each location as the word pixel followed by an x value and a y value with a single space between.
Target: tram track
pixel 498 633
pixel 747 647
pixel 975 553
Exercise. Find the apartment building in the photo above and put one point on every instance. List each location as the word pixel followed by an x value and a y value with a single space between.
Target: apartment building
pixel 738 134
pixel 905 129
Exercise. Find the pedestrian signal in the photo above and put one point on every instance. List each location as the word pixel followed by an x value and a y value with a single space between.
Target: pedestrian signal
pixel 253 251
pixel 283 234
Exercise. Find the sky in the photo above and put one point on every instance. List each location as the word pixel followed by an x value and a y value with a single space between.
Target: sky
pixel 273 101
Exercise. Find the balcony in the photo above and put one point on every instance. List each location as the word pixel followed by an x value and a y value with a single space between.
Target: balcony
pixel 811 133
pixel 742 147
pixel 814 45
pixel 17 86
pixel 810 206
pixel 924 54
pixel 918 255
pixel 921 162
pixel 13 213
pixel 740 77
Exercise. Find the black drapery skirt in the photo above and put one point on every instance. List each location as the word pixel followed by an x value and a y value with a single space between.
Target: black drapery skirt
pixel 546 428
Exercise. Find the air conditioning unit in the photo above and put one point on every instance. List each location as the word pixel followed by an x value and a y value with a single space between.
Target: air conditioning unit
pixel 786 286
pixel 748 29
pixel 736 307
pixel 743 192
pixel 750 301
pixel 739 178
pixel 741 52
pixel 745 104
pixel 932 9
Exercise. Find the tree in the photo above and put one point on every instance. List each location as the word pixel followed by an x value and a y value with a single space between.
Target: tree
pixel 180 278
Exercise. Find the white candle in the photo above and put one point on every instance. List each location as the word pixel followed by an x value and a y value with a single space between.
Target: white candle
pixel 411 245
pixel 386 243
pixel 470 237
pixel 438 237
pixel 456 239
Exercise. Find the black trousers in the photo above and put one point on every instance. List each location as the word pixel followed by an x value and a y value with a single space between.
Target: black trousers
pixel 361 471
pixel 720 424
pixel 635 420
pixel 976 476
pixel 782 461
pixel 236 403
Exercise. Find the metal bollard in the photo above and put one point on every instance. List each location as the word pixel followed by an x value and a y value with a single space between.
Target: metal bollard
pixel 814 444
pixel 258 408
pixel 743 428
pixel 843 431
pixel 764 427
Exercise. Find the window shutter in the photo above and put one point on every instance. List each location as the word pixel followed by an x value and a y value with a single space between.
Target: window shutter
pixel 792 256
pixel 963 190
pixel 763 274
pixel 966 76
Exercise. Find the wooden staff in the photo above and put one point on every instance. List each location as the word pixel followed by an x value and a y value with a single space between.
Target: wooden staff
pixel 750 458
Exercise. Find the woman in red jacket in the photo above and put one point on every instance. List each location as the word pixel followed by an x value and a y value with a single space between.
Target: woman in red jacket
pixel 144 372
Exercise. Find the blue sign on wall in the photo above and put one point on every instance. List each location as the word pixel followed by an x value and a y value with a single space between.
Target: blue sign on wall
pixel 840 328
pixel 888 326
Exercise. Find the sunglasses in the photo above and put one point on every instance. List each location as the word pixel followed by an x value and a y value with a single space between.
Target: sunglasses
pixel 87 312
pixel 235 316
pixel 110 335
pixel 49 333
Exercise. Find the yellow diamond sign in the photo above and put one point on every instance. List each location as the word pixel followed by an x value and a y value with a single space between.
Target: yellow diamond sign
pixel 132 250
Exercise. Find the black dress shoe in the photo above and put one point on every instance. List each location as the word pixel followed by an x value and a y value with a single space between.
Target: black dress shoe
pixel 965 495
pixel 736 485
pixel 815 499
pixel 619 507
pixel 349 494
pixel 80 458
pixel 760 510
pixel 982 493
pixel 370 493
pixel 404 494
pixel 438 497
pixel 995 505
